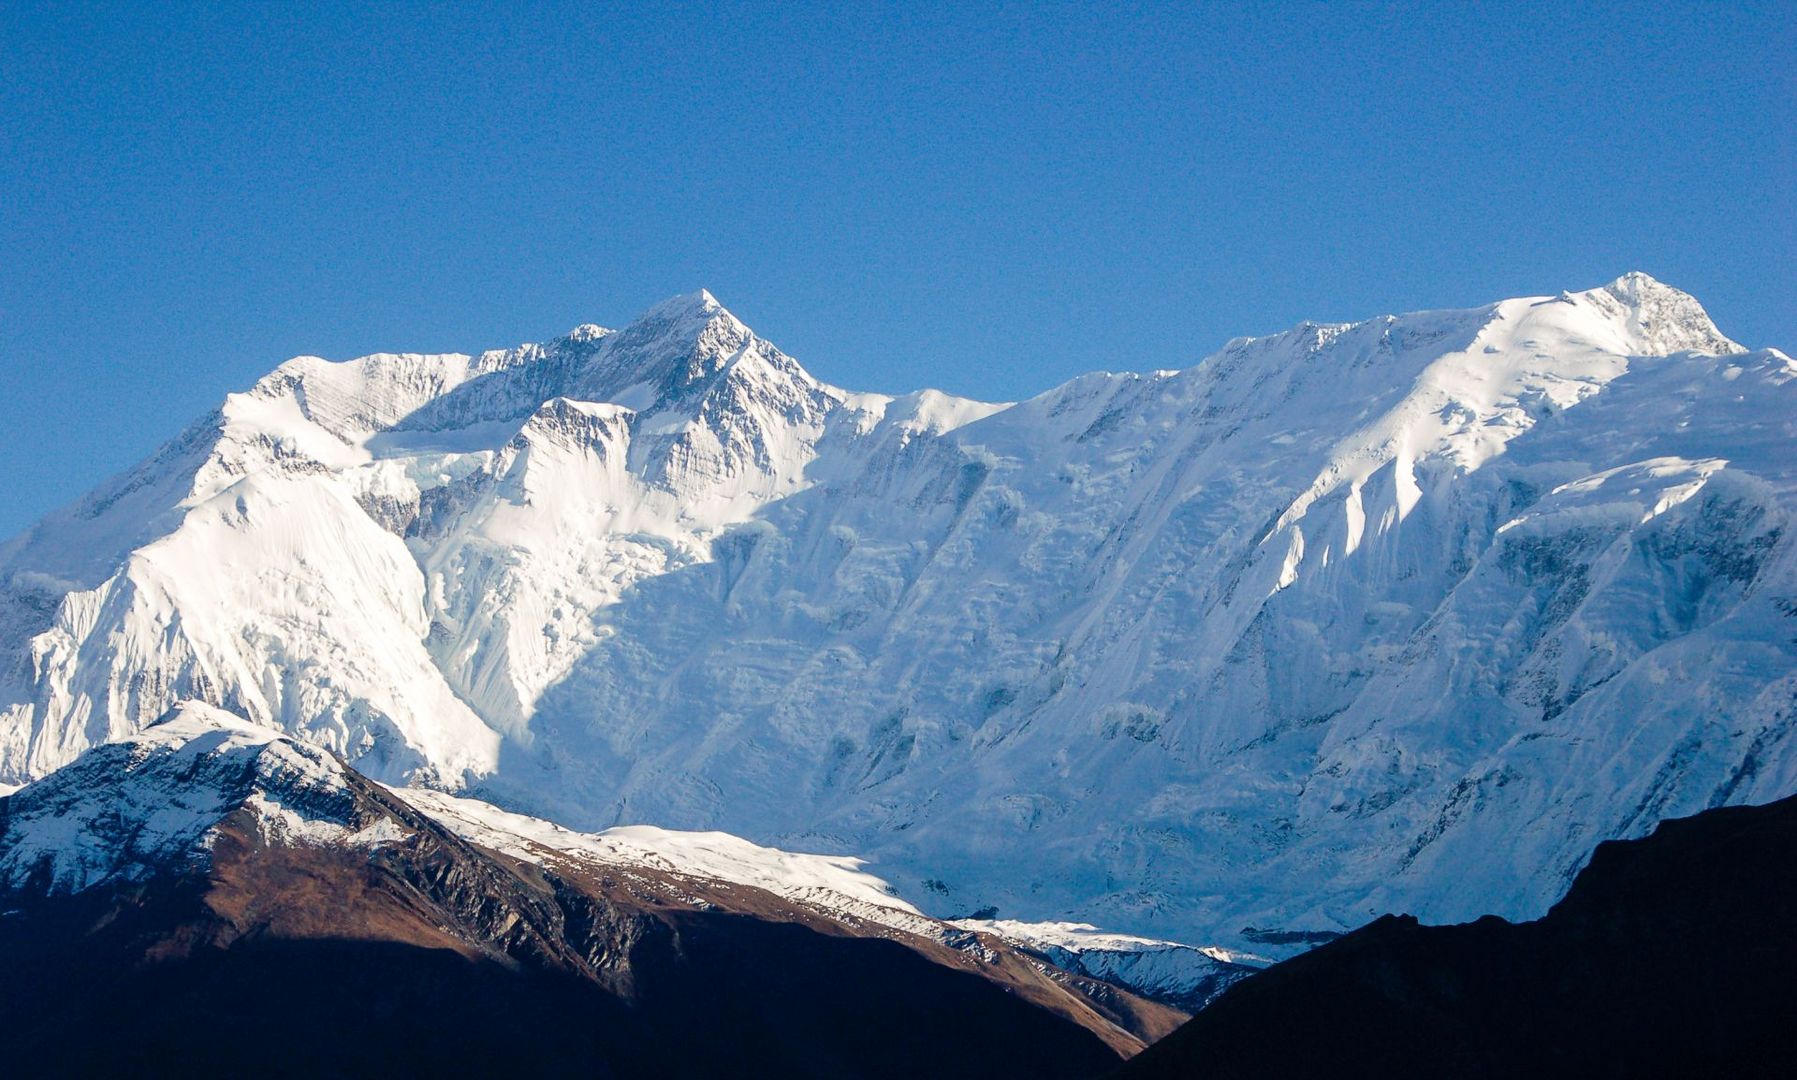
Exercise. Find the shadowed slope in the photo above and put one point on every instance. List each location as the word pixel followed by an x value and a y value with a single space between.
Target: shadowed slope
pixel 211 899
pixel 1675 955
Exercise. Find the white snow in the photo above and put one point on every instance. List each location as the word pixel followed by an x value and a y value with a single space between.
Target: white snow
pixel 1084 937
pixel 149 803
pixel 826 880
pixel 1406 613
pixel 1166 969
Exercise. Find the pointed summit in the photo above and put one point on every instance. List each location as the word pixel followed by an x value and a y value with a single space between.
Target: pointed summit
pixel 689 322
pixel 1635 283
pixel 700 306
pixel 1661 319
pixel 680 341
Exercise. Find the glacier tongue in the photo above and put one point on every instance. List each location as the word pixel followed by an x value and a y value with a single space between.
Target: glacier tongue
pixel 1405 613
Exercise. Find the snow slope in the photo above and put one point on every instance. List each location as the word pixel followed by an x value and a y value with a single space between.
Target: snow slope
pixel 148 806
pixel 1190 975
pixel 840 887
pixel 154 805
pixel 1403 614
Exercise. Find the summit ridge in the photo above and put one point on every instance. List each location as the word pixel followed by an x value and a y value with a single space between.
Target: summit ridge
pixel 1252 646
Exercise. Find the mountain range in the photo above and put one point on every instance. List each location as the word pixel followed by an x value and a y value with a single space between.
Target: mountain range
pixel 1399 615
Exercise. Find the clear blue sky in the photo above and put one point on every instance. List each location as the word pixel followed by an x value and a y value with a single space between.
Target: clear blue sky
pixel 990 202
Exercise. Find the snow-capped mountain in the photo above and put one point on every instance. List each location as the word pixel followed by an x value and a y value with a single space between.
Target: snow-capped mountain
pixel 208 863
pixel 1405 614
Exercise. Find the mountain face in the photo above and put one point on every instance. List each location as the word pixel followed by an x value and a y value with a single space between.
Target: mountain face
pixel 204 882
pixel 1670 956
pixel 1405 614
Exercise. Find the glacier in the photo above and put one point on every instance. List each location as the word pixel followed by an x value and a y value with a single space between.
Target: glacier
pixel 1404 614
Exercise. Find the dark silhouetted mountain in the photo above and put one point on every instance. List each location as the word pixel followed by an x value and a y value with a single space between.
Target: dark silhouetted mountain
pixel 1673 955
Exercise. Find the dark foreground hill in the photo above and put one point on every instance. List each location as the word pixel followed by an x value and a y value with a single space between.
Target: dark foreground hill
pixel 1674 955
pixel 216 901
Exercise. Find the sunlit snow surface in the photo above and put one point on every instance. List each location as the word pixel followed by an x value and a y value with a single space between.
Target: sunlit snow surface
pixel 1404 614
pixel 147 806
